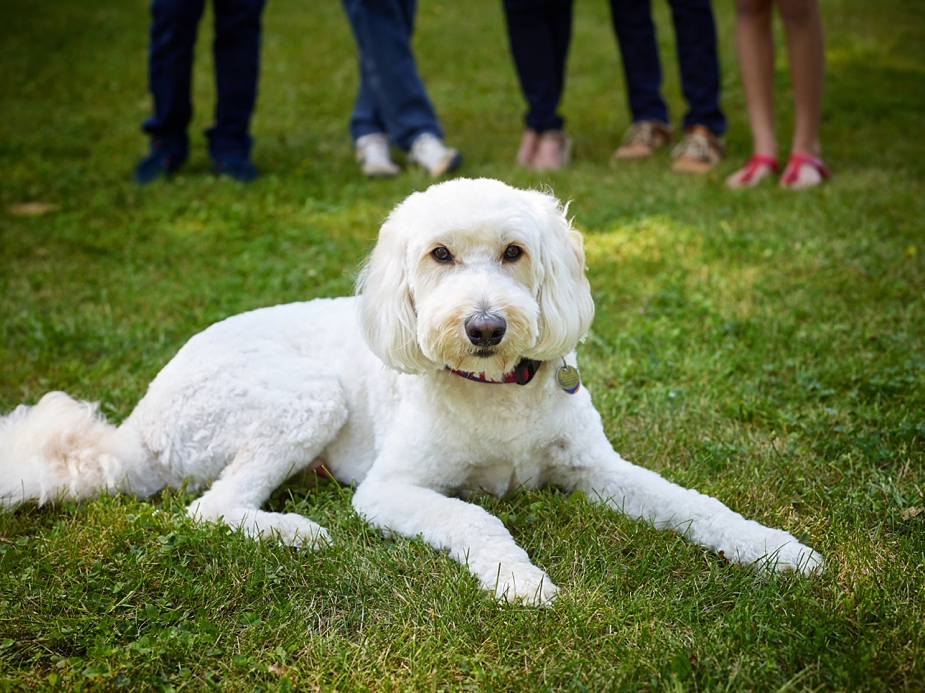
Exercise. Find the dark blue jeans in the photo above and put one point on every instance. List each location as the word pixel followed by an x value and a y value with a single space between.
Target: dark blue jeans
pixel 170 64
pixel 539 32
pixel 695 32
pixel 391 97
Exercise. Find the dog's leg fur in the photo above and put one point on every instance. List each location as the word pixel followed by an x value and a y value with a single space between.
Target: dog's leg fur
pixel 235 499
pixel 468 533
pixel 284 439
pixel 642 494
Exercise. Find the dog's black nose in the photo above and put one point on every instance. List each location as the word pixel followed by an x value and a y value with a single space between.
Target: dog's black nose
pixel 485 329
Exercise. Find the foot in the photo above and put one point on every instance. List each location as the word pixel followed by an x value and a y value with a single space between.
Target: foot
pixel 803 171
pixel 698 151
pixel 374 157
pixel 756 169
pixel 642 139
pixel 527 147
pixel 522 583
pixel 430 153
pixel 238 167
pixel 162 160
pixel 553 151
pixel 291 529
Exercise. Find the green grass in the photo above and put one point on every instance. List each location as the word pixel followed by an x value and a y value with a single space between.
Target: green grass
pixel 764 347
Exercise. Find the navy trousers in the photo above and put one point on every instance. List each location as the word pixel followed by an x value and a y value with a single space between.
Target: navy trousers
pixel 391 97
pixel 539 32
pixel 695 32
pixel 170 64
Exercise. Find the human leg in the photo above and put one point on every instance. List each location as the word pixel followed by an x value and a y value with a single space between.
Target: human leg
pixel 755 47
pixel 632 24
pixel 237 63
pixel 382 30
pixel 704 123
pixel 368 133
pixel 806 57
pixel 635 32
pixel 698 60
pixel 170 63
pixel 539 32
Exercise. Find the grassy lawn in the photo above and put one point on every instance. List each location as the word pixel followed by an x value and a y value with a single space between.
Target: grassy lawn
pixel 764 347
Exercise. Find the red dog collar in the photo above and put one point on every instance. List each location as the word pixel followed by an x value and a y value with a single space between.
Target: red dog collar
pixel 522 374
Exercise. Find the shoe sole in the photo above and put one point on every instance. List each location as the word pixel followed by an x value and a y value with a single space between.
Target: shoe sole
pixel 691 166
pixel 449 164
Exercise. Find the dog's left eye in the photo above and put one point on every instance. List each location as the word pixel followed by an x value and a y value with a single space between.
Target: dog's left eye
pixel 441 254
pixel 512 252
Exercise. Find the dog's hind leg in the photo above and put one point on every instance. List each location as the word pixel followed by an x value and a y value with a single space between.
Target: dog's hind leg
pixel 276 449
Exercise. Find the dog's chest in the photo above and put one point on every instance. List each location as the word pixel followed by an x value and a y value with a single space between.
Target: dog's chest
pixel 501 466
pixel 500 479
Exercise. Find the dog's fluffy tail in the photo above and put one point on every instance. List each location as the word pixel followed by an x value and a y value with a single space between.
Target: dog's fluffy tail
pixel 63 449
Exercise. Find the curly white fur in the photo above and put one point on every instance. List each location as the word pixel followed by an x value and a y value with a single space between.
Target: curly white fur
pixel 362 386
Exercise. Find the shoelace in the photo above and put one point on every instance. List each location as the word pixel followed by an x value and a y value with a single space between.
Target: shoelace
pixel 639 133
pixel 695 146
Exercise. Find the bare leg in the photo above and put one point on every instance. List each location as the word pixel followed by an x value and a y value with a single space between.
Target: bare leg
pixel 755 46
pixel 806 56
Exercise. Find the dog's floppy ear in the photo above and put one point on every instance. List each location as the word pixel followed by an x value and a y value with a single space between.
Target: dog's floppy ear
pixel 387 316
pixel 566 306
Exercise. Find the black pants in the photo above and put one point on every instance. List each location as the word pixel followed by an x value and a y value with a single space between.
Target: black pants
pixel 539 32
pixel 170 64
pixel 695 32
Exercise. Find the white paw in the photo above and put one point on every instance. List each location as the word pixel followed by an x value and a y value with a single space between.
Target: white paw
pixel 795 557
pixel 294 530
pixel 778 551
pixel 522 583
pixel 291 529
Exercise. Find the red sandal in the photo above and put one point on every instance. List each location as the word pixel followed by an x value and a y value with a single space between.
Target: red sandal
pixel 792 173
pixel 745 176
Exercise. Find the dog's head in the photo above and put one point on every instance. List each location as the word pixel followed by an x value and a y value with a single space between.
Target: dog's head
pixel 474 275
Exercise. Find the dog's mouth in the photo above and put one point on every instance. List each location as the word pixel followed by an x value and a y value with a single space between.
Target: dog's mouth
pixel 484 353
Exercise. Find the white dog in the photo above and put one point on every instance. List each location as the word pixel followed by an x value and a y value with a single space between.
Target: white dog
pixel 451 372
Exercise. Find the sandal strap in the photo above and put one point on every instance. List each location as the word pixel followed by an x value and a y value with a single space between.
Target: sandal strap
pixel 794 161
pixel 755 162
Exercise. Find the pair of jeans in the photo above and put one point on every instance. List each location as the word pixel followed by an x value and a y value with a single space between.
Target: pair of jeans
pixel 695 33
pixel 170 64
pixel 539 32
pixel 391 98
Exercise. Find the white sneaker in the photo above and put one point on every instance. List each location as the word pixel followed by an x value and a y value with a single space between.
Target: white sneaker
pixel 374 156
pixel 430 153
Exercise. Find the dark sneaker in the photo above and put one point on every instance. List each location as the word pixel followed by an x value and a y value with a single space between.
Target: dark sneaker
pixel 162 160
pixel 238 167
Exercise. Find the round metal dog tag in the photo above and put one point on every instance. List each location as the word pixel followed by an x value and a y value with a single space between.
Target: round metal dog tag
pixel 568 378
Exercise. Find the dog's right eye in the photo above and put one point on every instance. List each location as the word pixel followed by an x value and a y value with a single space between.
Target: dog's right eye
pixel 441 254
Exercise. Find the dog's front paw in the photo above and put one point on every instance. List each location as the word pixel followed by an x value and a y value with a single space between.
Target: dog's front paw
pixel 778 551
pixel 522 583
pixel 795 557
